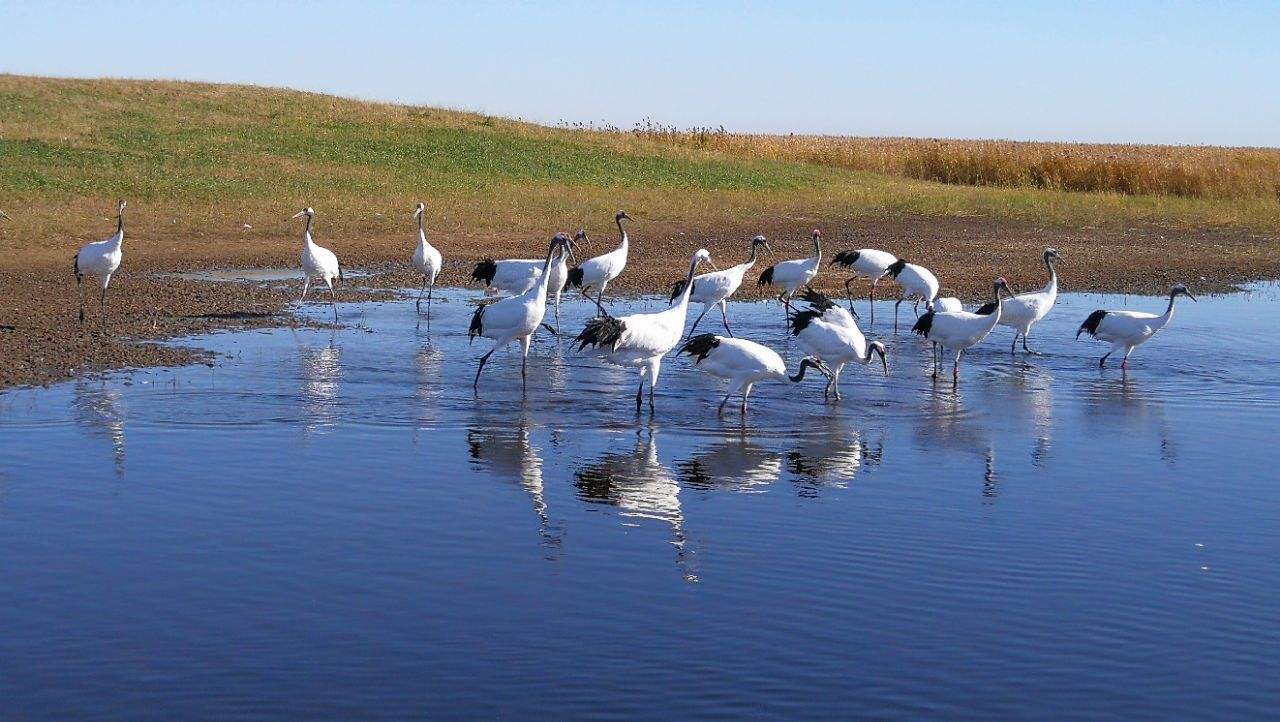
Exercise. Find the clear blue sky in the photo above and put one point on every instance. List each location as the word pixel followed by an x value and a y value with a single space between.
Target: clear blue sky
pixel 1168 72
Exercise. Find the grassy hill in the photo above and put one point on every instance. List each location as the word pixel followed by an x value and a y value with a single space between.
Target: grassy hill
pixel 197 159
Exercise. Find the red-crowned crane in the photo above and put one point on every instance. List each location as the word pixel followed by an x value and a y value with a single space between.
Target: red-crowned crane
pixel 1128 330
pixel 642 339
pixel 101 259
pixel 318 262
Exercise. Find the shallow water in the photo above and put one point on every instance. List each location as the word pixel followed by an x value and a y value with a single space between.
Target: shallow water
pixel 329 525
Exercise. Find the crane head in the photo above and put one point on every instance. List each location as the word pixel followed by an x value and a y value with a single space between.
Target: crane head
pixel 1052 254
pixel 120 206
pixel 419 209
pixel 1181 290
pixel 309 212
pixel 622 215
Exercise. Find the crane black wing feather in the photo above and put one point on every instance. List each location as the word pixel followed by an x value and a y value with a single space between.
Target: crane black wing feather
pixel 924 324
pixel 701 345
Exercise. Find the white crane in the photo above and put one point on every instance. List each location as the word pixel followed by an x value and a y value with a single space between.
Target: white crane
pixel 959 330
pixel 101 259
pixel 791 275
pixel 515 276
pixel 516 318
pixel 713 289
pixel 744 363
pixel 945 304
pixel 1129 329
pixel 599 271
pixel 868 263
pixel 427 260
pixel 318 262
pixel 829 334
pixel 1025 310
pixel 917 283
pixel 642 339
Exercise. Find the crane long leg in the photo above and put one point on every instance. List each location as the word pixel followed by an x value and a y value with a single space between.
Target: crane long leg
pixel 724 316
pixel 306 285
pixel 1124 363
pixel 1103 361
pixel 333 300
pixel 872 299
pixel 557 314
pixel 1013 346
pixel 746 392
pixel 102 303
pixel 934 355
pixel 600 300
pixel 640 394
pixel 80 287
pixel 915 308
pixel 430 292
pixel 524 364
pixel 955 369
pixel 696 321
pixel 421 291
pixel 895 314
pixel 475 385
pixel 720 411
pixel 1028 350
pixel 849 291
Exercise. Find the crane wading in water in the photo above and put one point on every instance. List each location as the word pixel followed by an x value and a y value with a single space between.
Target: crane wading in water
pixel 318 262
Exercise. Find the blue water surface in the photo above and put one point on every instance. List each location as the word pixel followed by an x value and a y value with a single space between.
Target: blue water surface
pixel 330 525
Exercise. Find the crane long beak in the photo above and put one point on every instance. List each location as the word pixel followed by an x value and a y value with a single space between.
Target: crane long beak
pixel 1193 298
pixel 299 214
pixel 712 264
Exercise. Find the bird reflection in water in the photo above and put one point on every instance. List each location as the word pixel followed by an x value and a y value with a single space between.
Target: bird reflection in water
pixel 833 457
pixel 510 453
pixel 734 464
pixel 429 365
pixel 321 382
pixel 947 425
pixel 1122 400
pixel 1032 396
pixel 101 410
pixel 641 486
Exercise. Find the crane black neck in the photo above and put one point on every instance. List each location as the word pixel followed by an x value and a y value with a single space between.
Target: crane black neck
pixel 420 215
pixel 306 233
pixel 120 222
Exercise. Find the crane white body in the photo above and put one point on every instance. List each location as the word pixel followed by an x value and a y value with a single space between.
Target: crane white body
pixel 715 288
pixel 959 331
pixel 101 259
pixel 869 263
pixel 514 276
pixel 829 333
pixel 599 271
pixel 1127 330
pixel 641 340
pixel 946 304
pixel 427 260
pixel 516 318
pixel 743 363
pixel 917 282
pixel 318 262
pixel 1025 310
pixel 791 275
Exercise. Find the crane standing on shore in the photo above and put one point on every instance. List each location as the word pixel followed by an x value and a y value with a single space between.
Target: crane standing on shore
pixel 101 259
